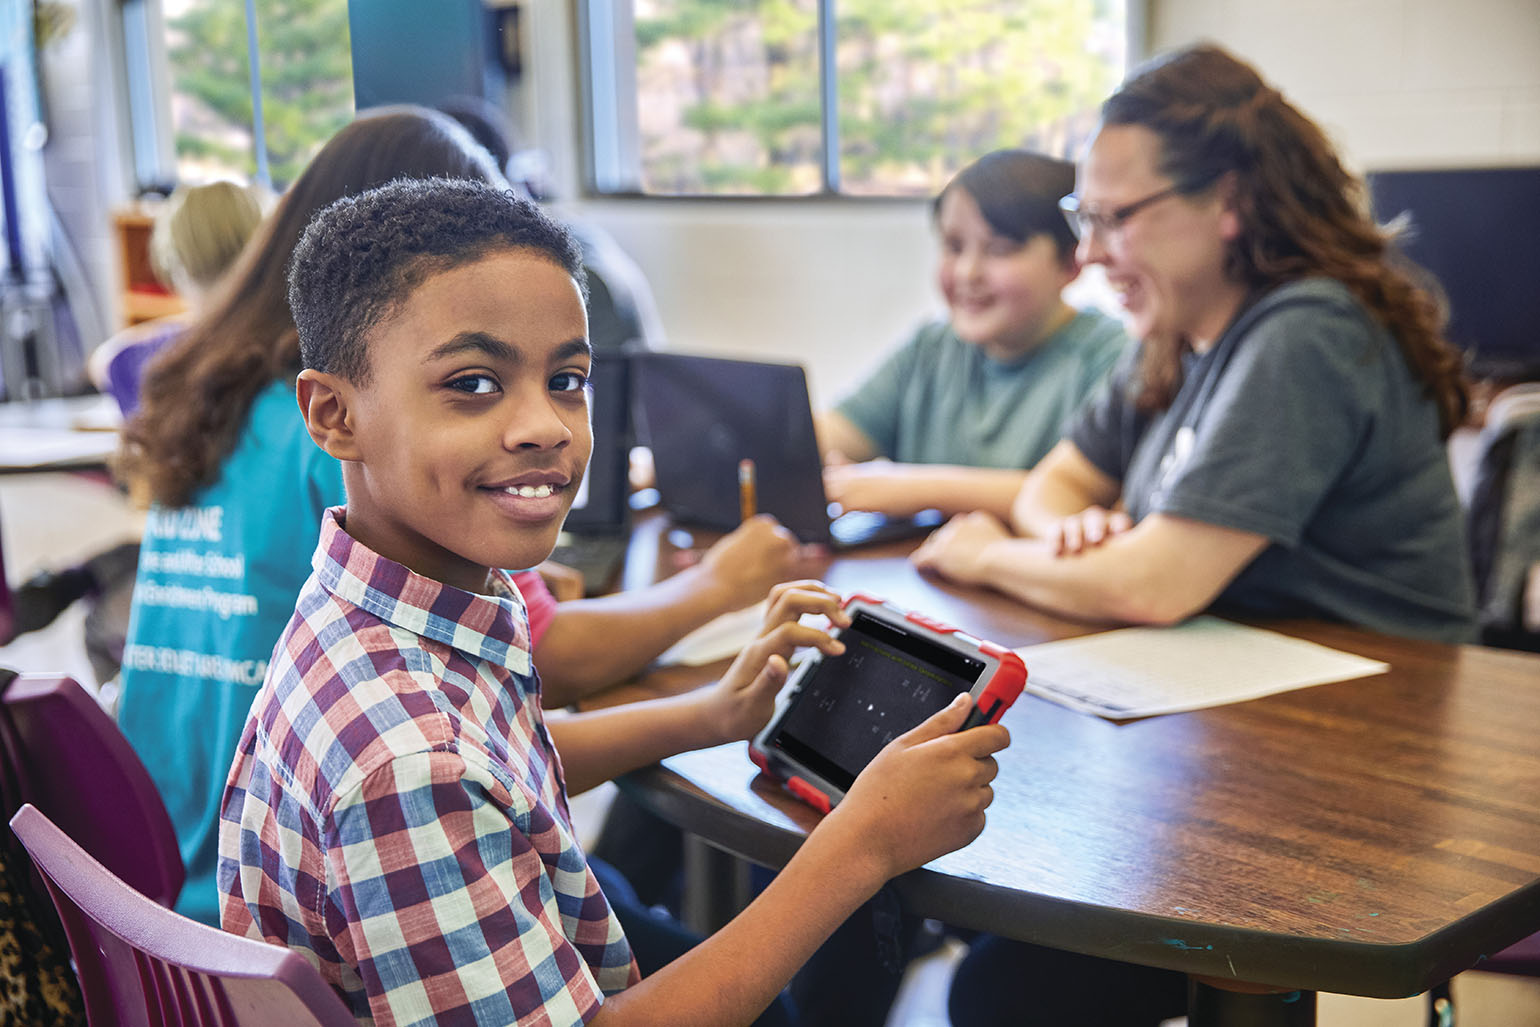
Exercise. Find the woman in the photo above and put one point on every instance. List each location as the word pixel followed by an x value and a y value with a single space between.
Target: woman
pixel 955 417
pixel 1275 447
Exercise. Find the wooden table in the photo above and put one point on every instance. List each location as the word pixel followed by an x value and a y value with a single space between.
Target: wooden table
pixel 1372 837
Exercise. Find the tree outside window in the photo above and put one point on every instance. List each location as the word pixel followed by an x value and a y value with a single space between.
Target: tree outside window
pixel 728 97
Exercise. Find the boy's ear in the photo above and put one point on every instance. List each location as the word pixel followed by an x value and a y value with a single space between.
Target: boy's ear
pixel 325 401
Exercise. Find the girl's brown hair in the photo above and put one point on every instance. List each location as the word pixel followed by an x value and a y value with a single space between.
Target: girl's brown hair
pixel 196 395
pixel 1302 213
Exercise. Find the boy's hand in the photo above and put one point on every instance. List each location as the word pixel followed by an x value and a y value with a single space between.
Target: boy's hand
pixel 881 486
pixel 925 793
pixel 760 552
pixel 737 706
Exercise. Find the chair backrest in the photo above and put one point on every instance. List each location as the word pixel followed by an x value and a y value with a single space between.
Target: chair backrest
pixel 142 965
pixel 80 771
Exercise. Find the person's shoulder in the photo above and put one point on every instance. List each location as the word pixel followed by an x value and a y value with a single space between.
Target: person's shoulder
pixel 359 677
pixel 1098 332
pixel 1323 299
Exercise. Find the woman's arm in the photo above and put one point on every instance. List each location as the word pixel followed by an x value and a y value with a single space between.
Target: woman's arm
pixel 1063 483
pixel 1160 571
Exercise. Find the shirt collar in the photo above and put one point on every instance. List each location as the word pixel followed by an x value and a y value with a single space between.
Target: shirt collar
pixel 492 627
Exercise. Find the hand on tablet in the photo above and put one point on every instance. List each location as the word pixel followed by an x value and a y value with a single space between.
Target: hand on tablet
pixel 741 703
pixel 926 792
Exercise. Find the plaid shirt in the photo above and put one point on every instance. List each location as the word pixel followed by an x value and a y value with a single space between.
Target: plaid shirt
pixel 396 810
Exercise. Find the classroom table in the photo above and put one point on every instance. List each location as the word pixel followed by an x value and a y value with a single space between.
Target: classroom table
pixel 1371 837
pixel 68 433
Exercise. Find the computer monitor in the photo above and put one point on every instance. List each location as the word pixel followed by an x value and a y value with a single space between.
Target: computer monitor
pixel 1478 231
pixel 602 506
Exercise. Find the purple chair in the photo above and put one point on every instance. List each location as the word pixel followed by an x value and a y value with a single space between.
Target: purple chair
pixel 74 765
pixel 142 965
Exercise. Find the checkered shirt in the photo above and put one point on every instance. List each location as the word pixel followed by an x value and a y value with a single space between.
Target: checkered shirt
pixel 396 811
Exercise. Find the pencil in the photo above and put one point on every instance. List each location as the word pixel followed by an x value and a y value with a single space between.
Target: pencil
pixel 748 505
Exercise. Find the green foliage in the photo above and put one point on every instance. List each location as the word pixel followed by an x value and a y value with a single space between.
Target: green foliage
pixel 307 80
pixel 924 86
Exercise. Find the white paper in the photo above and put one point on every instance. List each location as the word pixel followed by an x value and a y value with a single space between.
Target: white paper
pixel 1139 672
pixel 717 640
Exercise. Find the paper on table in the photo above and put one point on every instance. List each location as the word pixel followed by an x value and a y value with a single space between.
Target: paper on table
pixel 1139 672
pixel 717 640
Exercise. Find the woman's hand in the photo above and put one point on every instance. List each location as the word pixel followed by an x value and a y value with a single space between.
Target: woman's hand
pixel 957 550
pixel 1087 529
pixel 738 705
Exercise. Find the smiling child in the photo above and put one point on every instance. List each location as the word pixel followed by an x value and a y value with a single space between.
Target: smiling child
pixel 397 808
pixel 955 417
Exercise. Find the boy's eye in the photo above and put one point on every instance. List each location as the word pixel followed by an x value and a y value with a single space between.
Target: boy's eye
pixel 1002 247
pixel 569 381
pixel 474 384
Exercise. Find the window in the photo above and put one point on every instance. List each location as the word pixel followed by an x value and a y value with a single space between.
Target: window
pixel 861 97
pixel 227 121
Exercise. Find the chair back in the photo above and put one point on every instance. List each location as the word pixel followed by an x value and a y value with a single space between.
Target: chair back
pixel 142 965
pixel 79 770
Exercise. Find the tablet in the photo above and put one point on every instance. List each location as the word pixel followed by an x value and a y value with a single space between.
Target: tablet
pixel 898 668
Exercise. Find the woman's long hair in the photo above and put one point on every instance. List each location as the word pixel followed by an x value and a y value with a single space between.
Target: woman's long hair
pixel 1302 213
pixel 196 395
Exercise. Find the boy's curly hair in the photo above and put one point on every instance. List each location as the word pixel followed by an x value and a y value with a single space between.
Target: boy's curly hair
pixel 361 257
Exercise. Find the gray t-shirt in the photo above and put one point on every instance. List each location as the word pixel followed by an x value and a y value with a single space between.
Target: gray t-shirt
pixel 939 400
pixel 1302 424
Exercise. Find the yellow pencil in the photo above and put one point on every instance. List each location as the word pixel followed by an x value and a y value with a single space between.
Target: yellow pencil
pixel 748 505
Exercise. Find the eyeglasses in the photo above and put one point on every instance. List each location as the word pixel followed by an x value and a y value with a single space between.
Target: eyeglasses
pixel 1083 220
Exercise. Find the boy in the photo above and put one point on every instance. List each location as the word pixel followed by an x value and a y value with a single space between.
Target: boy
pixel 397 807
pixel 956 416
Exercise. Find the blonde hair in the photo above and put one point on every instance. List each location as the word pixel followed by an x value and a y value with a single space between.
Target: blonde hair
pixel 201 230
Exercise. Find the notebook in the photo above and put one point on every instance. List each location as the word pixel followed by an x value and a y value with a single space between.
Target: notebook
pixel 594 538
pixel 702 415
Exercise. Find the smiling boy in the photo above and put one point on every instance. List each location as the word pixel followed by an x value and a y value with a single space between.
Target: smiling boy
pixel 397 808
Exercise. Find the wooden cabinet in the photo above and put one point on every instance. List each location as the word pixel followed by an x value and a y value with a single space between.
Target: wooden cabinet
pixel 143 297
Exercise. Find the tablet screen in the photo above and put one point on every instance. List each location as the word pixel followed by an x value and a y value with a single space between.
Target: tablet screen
pixel 850 706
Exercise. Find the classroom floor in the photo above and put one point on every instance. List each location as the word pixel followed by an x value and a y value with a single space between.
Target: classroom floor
pixel 54 520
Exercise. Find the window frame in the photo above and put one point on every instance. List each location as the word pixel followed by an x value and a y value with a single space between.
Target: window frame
pixel 610 145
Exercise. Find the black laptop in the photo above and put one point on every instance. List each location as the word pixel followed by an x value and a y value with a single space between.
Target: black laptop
pixel 594 537
pixel 702 415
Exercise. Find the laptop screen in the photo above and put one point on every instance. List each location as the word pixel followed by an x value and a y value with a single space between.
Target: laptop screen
pixel 702 415
pixel 601 505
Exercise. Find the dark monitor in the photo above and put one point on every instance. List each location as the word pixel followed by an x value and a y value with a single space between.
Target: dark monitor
pixel 602 506
pixel 702 415
pixel 1478 232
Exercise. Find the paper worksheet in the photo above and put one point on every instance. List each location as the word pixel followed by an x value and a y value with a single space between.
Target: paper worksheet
pixel 1139 672
pixel 717 640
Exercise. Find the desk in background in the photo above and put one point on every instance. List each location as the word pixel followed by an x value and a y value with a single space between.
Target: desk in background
pixel 71 433
pixel 1372 837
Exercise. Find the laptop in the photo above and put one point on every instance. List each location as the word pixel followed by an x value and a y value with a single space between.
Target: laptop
pixel 594 537
pixel 702 415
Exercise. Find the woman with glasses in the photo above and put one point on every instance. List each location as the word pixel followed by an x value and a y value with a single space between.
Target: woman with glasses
pixel 1274 446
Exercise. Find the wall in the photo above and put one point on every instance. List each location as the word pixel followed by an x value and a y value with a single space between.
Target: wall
pixel 1399 83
